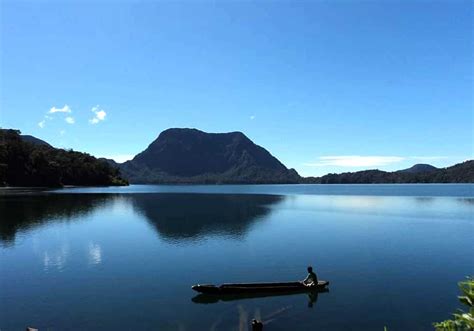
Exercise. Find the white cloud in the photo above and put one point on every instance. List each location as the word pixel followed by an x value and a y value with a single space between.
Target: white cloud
pixel 70 120
pixel 99 115
pixel 355 161
pixel 62 132
pixel 252 117
pixel 65 109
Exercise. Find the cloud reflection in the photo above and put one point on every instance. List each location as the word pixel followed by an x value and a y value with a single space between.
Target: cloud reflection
pixel 56 258
pixel 94 254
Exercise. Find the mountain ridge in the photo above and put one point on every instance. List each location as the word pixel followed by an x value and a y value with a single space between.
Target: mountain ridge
pixel 188 155
pixel 459 173
pixel 31 162
pixel 419 168
pixel 191 156
pixel 33 140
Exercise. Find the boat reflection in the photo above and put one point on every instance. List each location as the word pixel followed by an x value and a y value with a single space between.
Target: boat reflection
pixel 210 298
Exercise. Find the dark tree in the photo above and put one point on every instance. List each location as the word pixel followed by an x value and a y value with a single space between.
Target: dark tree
pixel 28 163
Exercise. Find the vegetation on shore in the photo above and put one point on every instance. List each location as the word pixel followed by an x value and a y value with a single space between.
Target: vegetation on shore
pixel 458 173
pixel 187 156
pixel 461 320
pixel 24 163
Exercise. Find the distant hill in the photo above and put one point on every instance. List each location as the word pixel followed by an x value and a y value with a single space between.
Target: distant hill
pixel 419 168
pixel 29 161
pixel 193 156
pixel 34 140
pixel 110 162
pixel 458 173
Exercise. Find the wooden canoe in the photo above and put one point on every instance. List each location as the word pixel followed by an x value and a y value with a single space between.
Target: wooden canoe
pixel 250 288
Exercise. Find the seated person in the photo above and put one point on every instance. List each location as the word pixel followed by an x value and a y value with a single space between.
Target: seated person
pixel 311 279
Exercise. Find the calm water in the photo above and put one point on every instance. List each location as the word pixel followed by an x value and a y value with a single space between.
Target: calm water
pixel 125 258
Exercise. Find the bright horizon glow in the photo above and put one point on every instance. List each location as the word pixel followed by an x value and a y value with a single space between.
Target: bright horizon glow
pixel 119 158
pixel 324 86
pixel 355 161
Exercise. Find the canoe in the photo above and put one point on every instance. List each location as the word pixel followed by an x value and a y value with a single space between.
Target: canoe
pixel 250 288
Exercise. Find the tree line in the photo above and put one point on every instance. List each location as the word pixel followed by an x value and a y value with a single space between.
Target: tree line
pixel 459 173
pixel 30 164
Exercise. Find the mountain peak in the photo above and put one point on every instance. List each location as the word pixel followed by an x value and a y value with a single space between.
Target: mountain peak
pixel 196 132
pixel 191 155
pixel 418 168
pixel 33 140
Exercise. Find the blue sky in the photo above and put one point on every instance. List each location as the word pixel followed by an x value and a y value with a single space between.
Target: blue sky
pixel 325 86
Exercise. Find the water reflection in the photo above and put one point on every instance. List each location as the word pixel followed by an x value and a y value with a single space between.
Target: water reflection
pixel 173 216
pixel 55 258
pixel 468 201
pixel 181 216
pixel 94 253
pixel 244 316
pixel 312 297
pixel 20 213
pixel 188 216
pixel 424 199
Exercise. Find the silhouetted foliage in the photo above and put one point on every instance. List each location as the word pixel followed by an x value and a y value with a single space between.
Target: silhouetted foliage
pixel 458 173
pixel 24 163
pixel 462 320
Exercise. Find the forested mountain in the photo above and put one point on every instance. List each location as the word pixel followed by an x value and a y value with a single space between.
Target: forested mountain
pixel 459 173
pixel 419 168
pixel 32 162
pixel 186 156
pixel 33 140
pixel 193 156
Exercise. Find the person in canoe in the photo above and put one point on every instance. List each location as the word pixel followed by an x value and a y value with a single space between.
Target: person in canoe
pixel 311 279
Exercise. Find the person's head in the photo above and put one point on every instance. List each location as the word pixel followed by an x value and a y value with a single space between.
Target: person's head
pixel 310 269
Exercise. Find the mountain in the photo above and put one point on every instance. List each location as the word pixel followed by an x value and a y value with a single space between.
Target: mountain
pixel 110 162
pixel 29 161
pixel 186 156
pixel 193 156
pixel 33 140
pixel 458 173
pixel 419 168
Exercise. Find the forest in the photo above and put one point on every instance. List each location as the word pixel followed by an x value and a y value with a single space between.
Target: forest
pixel 25 163
pixel 458 173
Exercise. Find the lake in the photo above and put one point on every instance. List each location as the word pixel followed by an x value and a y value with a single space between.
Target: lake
pixel 125 258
